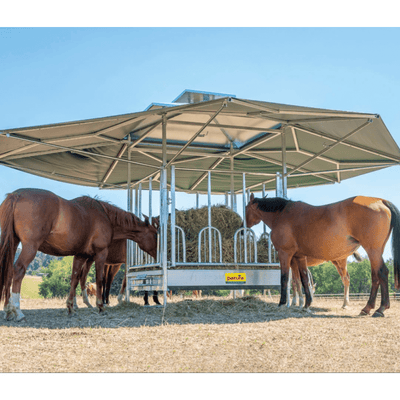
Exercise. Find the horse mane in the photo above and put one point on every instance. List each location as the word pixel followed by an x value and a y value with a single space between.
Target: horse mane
pixel 272 204
pixel 117 216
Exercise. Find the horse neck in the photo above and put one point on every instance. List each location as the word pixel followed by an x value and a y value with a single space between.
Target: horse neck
pixel 269 218
pixel 125 224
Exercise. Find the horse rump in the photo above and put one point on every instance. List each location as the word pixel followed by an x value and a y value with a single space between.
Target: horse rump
pixel 395 225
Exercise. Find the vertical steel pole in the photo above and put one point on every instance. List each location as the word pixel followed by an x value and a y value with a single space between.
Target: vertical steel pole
pixel 278 190
pixel 135 245
pixel 284 194
pixel 209 216
pixel 197 200
pixel 164 206
pixel 173 232
pixel 129 209
pixel 244 218
pixel 150 200
pixel 233 202
pixel 284 176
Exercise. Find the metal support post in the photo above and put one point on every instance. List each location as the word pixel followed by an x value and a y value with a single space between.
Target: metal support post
pixel 233 202
pixel 173 244
pixel 284 171
pixel 164 207
pixel 128 261
pixel 209 216
pixel 244 218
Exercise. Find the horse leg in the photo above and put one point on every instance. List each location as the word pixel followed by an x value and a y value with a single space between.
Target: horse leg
pixel 379 276
pixel 122 291
pixel 112 271
pixel 77 266
pixel 296 285
pixel 341 266
pixel 8 291
pixel 104 283
pixel 99 261
pixel 302 264
pixel 155 298
pixel 25 258
pixel 285 259
pixel 382 273
pixel 146 298
pixel 85 272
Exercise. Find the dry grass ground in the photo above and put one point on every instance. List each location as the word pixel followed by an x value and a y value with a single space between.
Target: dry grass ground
pixel 200 335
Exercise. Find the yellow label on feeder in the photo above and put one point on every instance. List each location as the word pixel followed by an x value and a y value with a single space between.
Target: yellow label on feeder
pixel 234 277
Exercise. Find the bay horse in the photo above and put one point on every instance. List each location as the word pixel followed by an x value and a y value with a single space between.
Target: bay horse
pixel 341 266
pixel 331 232
pixel 83 227
pixel 115 258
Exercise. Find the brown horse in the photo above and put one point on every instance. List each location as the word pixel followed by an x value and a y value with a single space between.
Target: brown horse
pixel 82 227
pixel 296 232
pixel 115 258
pixel 341 266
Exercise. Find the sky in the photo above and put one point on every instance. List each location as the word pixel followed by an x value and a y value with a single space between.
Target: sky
pixel 52 75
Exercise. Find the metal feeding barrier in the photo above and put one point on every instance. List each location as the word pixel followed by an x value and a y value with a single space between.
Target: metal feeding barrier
pixel 172 271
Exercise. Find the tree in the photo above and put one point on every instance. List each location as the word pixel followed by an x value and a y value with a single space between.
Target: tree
pixel 57 279
pixel 329 282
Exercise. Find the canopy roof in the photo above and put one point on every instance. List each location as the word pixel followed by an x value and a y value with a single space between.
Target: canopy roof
pixel 206 133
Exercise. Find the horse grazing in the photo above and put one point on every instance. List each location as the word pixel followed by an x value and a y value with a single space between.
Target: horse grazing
pixel 115 258
pixel 341 266
pixel 83 227
pixel 331 232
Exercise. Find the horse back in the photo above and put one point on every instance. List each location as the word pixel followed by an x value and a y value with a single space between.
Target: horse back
pixel 335 230
pixel 57 226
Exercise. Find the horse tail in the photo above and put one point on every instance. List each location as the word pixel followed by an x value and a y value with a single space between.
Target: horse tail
pixel 7 243
pixel 395 225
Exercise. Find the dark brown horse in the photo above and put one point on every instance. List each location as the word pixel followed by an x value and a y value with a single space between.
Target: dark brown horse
pixel 115 258
pixel 331 232
pixel 82 227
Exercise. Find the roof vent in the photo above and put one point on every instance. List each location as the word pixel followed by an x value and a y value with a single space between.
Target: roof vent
pixel 195 96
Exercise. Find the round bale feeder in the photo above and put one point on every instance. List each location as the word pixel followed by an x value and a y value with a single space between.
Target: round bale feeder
pixel 210 144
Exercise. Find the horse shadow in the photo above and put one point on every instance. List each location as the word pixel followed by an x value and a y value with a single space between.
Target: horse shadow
pixel 246 310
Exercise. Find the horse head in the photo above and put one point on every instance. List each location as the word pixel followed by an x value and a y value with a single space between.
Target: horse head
pixel 252 214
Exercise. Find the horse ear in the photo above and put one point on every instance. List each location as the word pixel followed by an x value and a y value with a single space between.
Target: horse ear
pixel 251 197
pixel 156 222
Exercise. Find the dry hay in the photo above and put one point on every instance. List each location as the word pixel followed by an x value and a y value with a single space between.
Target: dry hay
pixel 212 334
pixel 193 220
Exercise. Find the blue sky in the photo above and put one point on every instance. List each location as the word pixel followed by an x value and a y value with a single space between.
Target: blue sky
pixel 51 75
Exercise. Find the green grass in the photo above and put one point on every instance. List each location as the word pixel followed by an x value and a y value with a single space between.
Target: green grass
pixel 30 287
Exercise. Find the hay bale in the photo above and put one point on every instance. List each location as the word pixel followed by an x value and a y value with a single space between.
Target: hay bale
pixel 193 220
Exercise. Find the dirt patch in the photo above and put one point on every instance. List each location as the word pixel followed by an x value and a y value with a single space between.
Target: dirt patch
pixel 211 334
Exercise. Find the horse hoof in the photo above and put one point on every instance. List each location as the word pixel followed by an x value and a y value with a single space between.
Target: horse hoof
pixel 363 313
pixel 377 314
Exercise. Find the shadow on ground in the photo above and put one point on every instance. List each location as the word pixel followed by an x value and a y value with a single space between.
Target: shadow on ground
pixel 200 311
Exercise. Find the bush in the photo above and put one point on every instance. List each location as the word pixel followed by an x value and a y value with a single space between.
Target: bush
pixel 57 278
